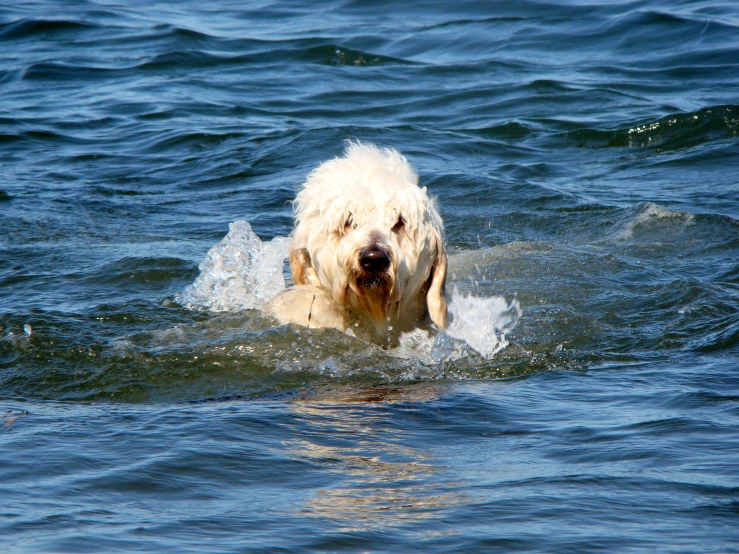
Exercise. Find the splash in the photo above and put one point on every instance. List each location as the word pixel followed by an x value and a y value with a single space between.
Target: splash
pixel 479 325
pixel 239 273
pixel 483 322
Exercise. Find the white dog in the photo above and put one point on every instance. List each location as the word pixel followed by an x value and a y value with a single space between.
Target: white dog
pixel 367 251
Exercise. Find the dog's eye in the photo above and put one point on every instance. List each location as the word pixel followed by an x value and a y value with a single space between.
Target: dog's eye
pixel 399 225
pixel 349 225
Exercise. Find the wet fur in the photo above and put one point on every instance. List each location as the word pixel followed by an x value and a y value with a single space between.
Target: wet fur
pixel 370 196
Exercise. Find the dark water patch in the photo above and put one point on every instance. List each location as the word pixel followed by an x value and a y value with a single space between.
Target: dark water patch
pixel 511 132
pixel 113 192
pixel 678 131
pixel 43 29
pixel 44 136
pixel 466 22
pixel 182 60
pixel 67 71
pixel 189 35
pixel 283 52
pixel 195 141
pixel 336 55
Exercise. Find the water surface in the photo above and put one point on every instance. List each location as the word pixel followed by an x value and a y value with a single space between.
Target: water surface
pixel 585 161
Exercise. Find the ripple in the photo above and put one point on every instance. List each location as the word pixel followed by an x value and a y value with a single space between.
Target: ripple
pixel 335 55
pixel 183 59
pixel 65 71
pixel 278 52
pixel 43 29
pixel 678 131
pixel 133 272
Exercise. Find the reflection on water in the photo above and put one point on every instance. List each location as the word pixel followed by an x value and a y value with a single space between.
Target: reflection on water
pixel 382 481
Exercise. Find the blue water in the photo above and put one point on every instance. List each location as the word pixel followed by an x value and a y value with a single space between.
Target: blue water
pixel 585 157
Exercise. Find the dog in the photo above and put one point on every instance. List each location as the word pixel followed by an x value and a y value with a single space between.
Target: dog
pixel 367 252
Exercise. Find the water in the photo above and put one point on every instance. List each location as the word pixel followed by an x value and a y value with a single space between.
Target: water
pixel 585 159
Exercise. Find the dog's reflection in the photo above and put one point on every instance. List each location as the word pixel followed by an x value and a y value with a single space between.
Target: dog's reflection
pixel 370 438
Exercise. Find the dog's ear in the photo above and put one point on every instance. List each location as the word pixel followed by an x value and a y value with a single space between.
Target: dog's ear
pixel 436 295
pixel 338 292
pixel 300 267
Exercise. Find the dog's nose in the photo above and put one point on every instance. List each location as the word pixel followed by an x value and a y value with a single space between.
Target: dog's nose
pixel 374 258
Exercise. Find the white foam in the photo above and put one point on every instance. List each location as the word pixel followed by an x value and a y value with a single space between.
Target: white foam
pixel 483 322
pixel 241 272
pixel 479 323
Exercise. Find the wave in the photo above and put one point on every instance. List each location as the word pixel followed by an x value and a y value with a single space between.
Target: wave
pixel 187 61
pixel 70 72
pixel 325 54
pixel 676 131
pixel 336 55
pixel 648 219
pixel 132 273
pixel 46 28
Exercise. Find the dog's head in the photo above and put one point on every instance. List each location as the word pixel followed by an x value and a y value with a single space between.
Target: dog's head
pixel 367 233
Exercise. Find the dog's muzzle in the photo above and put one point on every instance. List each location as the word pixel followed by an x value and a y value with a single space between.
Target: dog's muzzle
pixel 374 259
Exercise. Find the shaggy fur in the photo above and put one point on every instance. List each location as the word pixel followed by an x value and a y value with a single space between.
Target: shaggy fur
pixel 367 250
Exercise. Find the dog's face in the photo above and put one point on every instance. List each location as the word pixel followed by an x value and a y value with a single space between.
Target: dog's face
pixel 370 236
